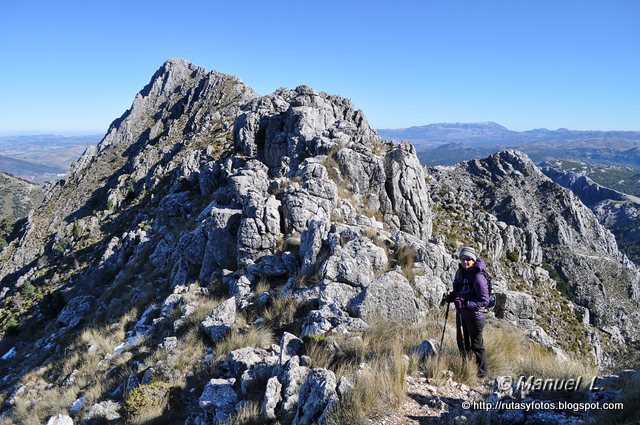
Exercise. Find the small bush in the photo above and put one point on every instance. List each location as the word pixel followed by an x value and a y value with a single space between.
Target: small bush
pixel 148 400
pixel 28 290
pixel 12 327
pixel 379 387
pixel 513 256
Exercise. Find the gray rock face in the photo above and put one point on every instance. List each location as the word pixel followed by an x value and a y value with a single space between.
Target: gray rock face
pixel 75 311
pixel 173 207
pixel 390 297
pixel 272 396
pixel 314 198
pixel 219 322
pixel 355 262
pixel 290 346
pixel 290 125
pixel 219 399
pixel 616 211
pixel 317 396
pixel 516 305
pixel 407 191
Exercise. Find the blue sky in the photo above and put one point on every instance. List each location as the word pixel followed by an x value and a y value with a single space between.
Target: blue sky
pixel 73 67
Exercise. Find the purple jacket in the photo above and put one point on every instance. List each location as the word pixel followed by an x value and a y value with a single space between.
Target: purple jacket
pixel 471 285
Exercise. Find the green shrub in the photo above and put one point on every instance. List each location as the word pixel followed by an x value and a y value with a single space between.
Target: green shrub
pixel 12 327
pixel 76 230
pixel 28 290
pixel 513 256
pixel 147 399
pixel 562 284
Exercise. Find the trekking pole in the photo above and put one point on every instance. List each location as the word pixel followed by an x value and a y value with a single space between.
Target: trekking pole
pixel 444 327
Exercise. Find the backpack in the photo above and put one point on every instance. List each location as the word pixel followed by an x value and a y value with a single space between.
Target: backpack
pixel 492 297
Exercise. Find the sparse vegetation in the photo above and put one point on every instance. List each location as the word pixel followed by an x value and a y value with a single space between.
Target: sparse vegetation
pixel 147 401
pixel 257 337
pixel 404 256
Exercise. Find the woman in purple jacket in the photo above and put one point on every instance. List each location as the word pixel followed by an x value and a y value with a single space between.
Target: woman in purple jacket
pixel 470 295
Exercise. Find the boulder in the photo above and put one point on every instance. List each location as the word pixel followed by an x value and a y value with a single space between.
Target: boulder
pixel 219 399
pixel 355 262
pixel 103 411
pixel 310 245
pixel 290 345
pixel 317 395
pixel 272 396
pixel 219 322
pixel 221 227
pixel 390 297
pixel 292 377
pixel 330 318
pixel 242 359
pixel 75 310
pixel 407 190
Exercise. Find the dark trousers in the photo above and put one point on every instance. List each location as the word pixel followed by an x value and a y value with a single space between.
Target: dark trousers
pixel 469 338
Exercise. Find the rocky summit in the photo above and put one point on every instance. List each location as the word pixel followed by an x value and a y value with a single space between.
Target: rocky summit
pixel 191 267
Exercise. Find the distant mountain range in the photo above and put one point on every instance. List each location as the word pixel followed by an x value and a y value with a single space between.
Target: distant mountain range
pixel 447 144
pixel 492 134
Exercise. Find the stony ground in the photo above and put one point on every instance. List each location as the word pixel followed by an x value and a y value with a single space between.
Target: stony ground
pixel 428 402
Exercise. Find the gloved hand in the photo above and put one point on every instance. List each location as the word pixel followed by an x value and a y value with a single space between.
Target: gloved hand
pixel 443 301
pixel 450 297
pixel 458 302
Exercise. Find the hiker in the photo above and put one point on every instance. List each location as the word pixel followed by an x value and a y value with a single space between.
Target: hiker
pixel 470 295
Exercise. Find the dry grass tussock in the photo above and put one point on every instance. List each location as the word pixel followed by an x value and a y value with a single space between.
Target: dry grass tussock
pixel 257 337
pixel 249 414
pixel 380 384
pixel 510 353
pixel 203 309
pixel 388 350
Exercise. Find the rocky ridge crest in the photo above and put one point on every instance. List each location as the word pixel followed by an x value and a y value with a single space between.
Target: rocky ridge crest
pixel 208 204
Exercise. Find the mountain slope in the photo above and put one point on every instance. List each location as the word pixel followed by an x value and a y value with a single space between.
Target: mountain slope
pixel 211 223
pixel 17 196
pixel 618 212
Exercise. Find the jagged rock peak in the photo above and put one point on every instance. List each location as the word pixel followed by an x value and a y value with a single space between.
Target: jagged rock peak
pixel 174 88
pixel 505 163
pixel 288 126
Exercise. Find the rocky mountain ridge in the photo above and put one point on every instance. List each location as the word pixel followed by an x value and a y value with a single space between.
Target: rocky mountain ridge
pixel 618 212
pixel 209 210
